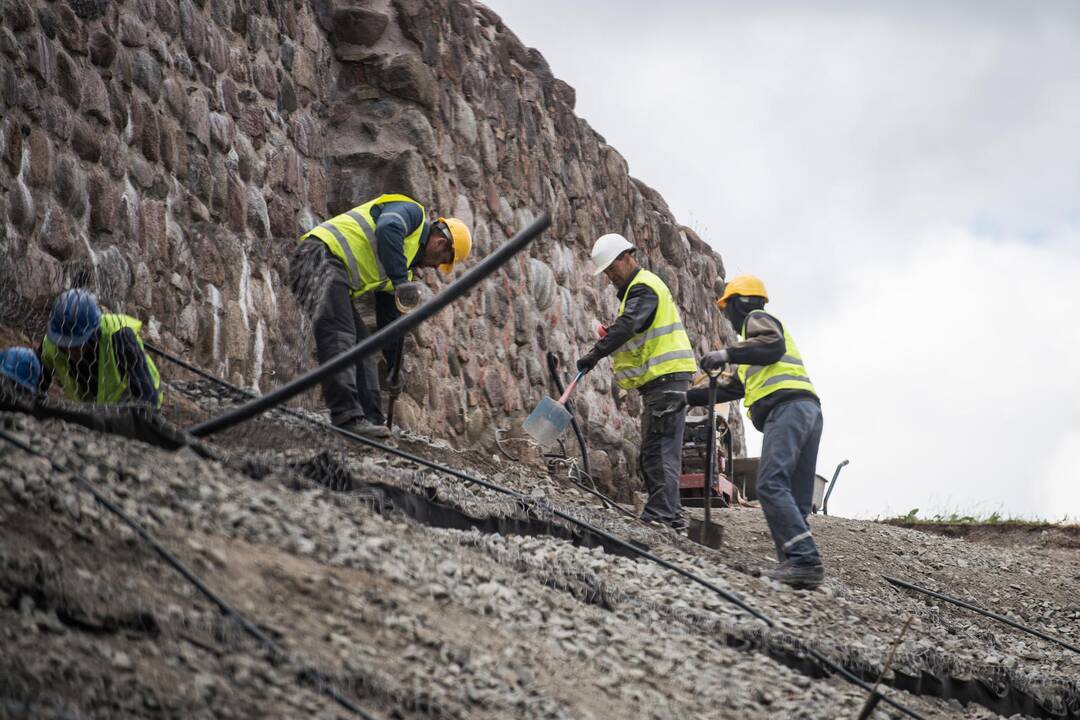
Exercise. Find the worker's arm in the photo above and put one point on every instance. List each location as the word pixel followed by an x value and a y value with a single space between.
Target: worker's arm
pixel 637 314
pixel 726 391
pixel 396 221
pixel 132 361
pixel 764 344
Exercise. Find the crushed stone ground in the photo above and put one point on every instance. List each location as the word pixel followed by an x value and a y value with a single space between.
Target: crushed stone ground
pixel 419 621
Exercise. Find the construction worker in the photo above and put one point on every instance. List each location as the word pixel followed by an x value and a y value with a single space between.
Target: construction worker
pixel 782 404
pixel 372 248
pixel 21 366
pixel 651 354
pixel 98 357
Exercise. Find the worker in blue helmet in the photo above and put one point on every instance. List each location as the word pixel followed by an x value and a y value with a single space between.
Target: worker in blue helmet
pixel 21 366
pixel 97 357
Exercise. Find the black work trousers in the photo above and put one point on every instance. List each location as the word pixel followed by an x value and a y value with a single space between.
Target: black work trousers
pixel 321 284
pixel 663 420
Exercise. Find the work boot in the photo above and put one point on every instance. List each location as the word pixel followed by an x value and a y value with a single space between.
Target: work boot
pixel 679 524
pixel 363 426
pixel 800 577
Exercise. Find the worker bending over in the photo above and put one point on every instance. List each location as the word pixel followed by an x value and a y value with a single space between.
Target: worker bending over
pixel 652 354
pixel 372 248
pixel 97 357
pixel 783 405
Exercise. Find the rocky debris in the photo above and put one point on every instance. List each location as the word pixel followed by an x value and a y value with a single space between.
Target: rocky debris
pixel 468 623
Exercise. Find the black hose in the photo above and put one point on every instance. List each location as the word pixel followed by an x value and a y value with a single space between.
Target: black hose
pixel 528 500
pixel 378 340
pixel 553 370
pixel 992 615
pixel 226 609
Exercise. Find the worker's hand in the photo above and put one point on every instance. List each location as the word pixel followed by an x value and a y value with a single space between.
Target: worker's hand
pixel 410 295
pixel 602 331
pixel 586 363
pixel 714 360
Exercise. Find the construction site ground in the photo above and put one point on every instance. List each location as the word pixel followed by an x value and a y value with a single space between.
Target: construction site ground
pixel 402 608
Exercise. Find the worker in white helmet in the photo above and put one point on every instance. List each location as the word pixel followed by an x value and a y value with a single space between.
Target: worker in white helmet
pixel 651 353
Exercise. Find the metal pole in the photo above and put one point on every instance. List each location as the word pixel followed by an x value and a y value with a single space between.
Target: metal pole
pixel 710 456
pixel 395 378
pixel 836 474
pixel 381 338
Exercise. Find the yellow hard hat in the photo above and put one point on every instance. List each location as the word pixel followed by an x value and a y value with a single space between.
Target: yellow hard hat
pixel 460 237
pixel 746 285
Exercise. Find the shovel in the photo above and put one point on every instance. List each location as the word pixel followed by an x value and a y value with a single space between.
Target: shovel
pixel 550 418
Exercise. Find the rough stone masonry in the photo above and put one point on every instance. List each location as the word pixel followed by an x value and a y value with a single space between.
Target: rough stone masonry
pixel 169 154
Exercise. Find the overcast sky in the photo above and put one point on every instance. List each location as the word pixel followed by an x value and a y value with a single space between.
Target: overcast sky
pixel 905 177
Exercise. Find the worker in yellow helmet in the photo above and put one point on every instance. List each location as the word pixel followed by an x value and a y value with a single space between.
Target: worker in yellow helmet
pixel 372 248
pixel 782 404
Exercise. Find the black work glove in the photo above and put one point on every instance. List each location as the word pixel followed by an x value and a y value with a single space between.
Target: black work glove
pixel 714 360
pixel 586 363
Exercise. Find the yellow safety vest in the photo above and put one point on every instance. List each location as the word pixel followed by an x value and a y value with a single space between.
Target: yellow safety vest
pixel 788 373
pixel 112 387
pixel 661 349
pixel 351 237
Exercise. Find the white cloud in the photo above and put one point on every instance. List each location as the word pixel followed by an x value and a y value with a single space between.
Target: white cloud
pixel 906 179
pixel 949 380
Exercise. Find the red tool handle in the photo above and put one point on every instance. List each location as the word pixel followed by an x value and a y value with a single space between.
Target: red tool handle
pixel 570 388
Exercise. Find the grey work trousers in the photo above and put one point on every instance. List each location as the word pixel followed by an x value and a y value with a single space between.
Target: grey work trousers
pixel 785 481
pixel 663 420
pixel 321 285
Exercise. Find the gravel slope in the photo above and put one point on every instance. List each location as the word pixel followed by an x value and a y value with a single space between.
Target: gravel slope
pixel 420 621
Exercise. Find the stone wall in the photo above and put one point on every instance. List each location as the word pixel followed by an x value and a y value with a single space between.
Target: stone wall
pixel 169 153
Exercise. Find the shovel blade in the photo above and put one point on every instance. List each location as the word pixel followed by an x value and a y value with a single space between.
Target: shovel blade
pixel 547 422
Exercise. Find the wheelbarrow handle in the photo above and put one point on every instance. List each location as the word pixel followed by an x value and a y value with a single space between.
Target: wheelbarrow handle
pixel 570 388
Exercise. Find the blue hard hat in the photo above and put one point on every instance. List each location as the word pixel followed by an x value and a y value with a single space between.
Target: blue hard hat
pixel 75 318
pixel 21 364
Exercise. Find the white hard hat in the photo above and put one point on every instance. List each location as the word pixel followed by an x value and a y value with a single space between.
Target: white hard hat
pixel 606 249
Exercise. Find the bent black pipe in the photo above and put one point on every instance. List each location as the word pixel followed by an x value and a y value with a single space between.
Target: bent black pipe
pixel 383 337
pixel 553 370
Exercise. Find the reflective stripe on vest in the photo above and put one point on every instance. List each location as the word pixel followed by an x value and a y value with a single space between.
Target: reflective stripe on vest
pixel 112 387
pixel 788 373
pixel 662 348
pixel 351 238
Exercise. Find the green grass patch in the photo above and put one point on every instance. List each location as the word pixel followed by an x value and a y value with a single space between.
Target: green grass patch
pixel 955 518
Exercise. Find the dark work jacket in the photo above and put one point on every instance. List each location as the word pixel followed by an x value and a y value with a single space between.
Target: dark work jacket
pixel 764 345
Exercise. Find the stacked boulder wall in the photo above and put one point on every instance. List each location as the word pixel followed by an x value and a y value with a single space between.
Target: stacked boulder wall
pixel 169 154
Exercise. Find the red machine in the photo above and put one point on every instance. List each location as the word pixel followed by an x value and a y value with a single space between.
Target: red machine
pixel 692 478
